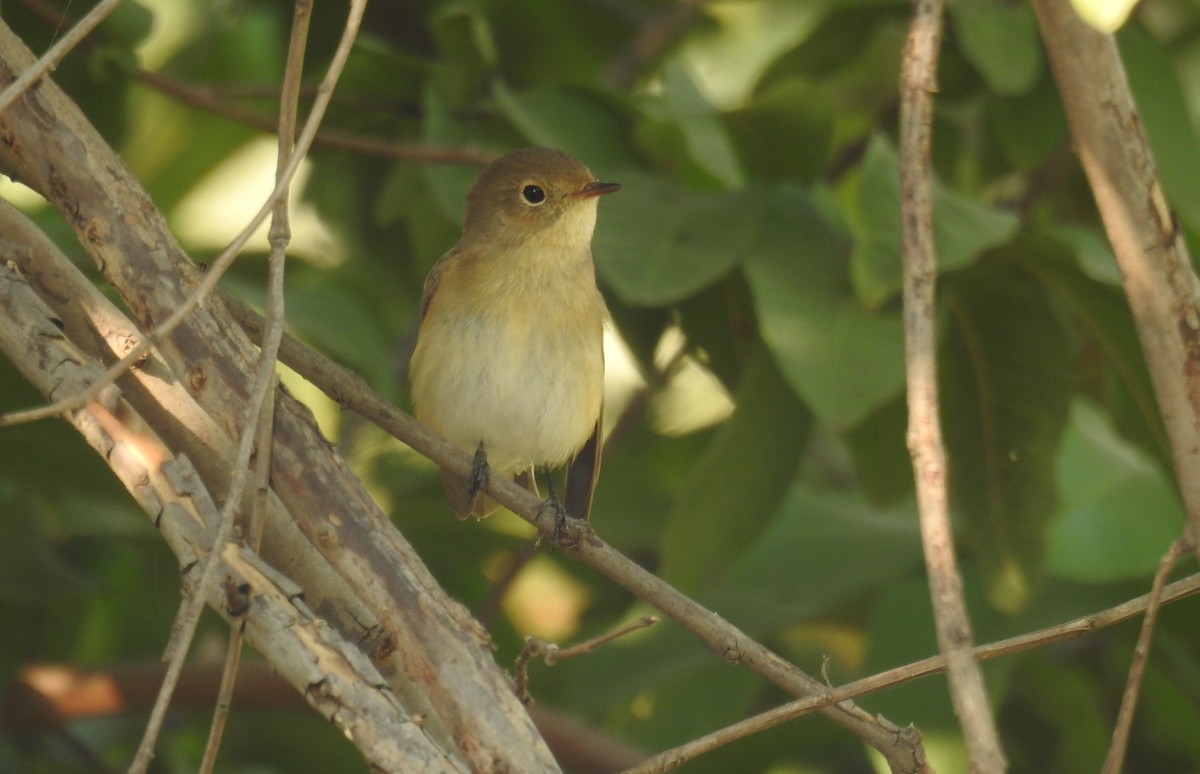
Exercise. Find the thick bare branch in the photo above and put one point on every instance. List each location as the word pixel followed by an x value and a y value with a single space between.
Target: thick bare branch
pixel 332 674
pixel 1160 285
pixel 46 142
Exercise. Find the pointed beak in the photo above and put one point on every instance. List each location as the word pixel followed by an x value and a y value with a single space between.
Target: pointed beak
pixel 596 188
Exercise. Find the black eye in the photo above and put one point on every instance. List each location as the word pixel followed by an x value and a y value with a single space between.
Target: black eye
pixel 533 194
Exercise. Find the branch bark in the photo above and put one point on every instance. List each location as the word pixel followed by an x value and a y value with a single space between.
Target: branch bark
pixel 1160 285
pixel 918 83
pixel 335 678
pixel 46 143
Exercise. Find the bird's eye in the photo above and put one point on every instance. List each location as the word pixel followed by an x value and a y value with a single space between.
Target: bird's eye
pixel 533 194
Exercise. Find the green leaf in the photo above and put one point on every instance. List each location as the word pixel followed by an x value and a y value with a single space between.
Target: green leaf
pixel 1004 392
pixel 784 133
pixel 963 229
pixel 129 24
pixel 328 315
pixel 464 38
pixel 740 480
pixel 1119 511
pixel 707 141
pixel 1001 41
pixel 657 242
pixel 880 454
pixel 1030 126
pixel 1102 315
pixel 820 549
pixel 841 358
pixel 571 120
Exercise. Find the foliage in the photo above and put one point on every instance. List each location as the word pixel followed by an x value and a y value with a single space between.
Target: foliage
pixel 759 219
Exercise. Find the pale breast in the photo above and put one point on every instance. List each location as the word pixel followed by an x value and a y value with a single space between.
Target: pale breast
pixel 524 373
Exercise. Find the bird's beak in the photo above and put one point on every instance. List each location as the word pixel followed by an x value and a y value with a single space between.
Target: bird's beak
pixel 596 188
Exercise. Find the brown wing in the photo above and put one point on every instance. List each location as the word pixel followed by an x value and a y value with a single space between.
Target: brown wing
pixel 434 277
pixel 582 473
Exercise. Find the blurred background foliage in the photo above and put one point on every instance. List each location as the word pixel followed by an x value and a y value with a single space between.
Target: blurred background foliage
pixel 756 454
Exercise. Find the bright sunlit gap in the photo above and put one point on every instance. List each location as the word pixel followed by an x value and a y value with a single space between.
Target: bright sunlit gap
pixel 23 198
pixel 213 212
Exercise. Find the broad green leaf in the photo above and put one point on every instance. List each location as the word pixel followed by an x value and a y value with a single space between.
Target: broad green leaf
pixel 128 24
pixel 464 38
pixel 784 133
pixel 657 242
pixel 1005 387
pixel 326 314
pixel 1102 315
pixel 708 143
pixel 1119 512
pixel 1030 126
pixel 842 359
pixel 1056 689
pixel 570 120
pixel 449 183
pixel 963 229
pixel 820 549
pixel 881 457
pixel 1001 40
pixel 738 483
pixel 1163 110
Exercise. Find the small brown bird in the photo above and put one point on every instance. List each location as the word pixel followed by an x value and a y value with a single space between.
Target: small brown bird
pixel 509 361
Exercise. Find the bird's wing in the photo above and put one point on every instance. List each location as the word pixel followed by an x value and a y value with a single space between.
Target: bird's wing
pixel 582 473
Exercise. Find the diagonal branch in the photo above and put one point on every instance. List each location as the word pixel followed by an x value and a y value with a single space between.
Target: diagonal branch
pixel 1160 285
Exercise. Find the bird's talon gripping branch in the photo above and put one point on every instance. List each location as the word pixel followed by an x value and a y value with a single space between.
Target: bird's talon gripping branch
pixel 479 473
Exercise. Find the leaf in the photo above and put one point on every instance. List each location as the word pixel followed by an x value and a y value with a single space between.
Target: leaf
pixel 1004 392
pixel 1001 41
pixel 842 359
pixel 464 38
pixel 1030 126
pixel 708 143
pixel 657 242
pixel 820 549
pixel 784 133
pixel 963 229
pixel 1119 511
pixel 571 120
pixel 738 483
pixel 1101 314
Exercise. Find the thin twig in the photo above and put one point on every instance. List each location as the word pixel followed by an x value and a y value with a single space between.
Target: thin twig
pixel 264 383
pixel 49 60
pixel 901 747
pixel 227 257
pixel 279 237
pixel 918 83
pixel 552 654
pixel 675 757
pixel 1141 653
pixel 218 104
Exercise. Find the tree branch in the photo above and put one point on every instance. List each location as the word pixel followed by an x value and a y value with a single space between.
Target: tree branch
pixel 918 83
pixel 1160 285
pixel 47 143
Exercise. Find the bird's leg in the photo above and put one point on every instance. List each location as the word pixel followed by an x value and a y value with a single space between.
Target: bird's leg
pixel 560 512
pixel 479 474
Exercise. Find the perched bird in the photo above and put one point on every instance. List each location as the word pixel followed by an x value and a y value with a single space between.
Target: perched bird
pixel 509 360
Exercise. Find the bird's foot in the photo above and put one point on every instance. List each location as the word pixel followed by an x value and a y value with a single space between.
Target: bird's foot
pixel 479 474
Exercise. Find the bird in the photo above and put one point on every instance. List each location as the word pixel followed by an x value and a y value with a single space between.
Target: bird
pixel 509 359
